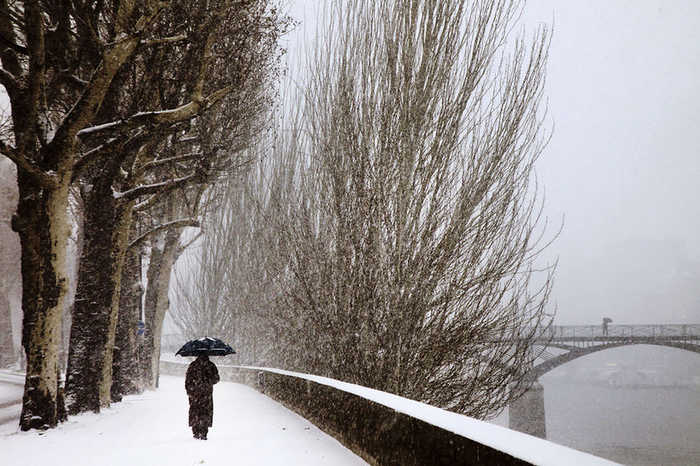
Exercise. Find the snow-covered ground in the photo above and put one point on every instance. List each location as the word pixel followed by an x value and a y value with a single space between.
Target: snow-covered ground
pixel 151 429
pixel 249 429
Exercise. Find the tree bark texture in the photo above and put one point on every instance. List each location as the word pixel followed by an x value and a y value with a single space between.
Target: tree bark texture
pixel 125 378
pixel 89 357
pixel 119 246
pixel 42 224
pixel 157 302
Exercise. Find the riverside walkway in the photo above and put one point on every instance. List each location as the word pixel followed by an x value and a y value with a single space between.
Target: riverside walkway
pixel 252 429
pixel 151 429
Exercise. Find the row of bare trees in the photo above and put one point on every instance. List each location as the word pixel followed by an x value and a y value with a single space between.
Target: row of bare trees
pixel 131 109
pixel 391 238
pixel 220 289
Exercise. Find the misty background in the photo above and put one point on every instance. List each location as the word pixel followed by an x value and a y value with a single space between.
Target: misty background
pixel 622 172
pixel 622 169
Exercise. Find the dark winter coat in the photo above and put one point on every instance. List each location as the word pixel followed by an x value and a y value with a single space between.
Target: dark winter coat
pixel 199 383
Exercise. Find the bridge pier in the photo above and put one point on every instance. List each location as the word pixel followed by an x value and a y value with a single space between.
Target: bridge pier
pixel 526 414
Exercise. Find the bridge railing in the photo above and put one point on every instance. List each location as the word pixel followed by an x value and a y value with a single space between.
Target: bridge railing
pixel 678 332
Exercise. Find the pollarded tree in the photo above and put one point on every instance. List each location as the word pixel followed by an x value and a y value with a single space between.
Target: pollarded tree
pixel 403 218
pixel 58 61
pixel 235 124
pixel 216 60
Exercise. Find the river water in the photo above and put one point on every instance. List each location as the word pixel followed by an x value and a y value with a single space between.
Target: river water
pixel 637 405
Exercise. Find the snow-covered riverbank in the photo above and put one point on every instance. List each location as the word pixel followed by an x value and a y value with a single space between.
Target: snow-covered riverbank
pixel 150 429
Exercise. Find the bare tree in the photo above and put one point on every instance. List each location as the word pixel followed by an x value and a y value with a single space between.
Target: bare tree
pixel 226 133
pixel 403 221
pixel 220 287
pixel 62 64
pixel 51 100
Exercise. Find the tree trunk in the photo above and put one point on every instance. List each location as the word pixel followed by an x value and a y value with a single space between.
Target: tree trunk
pixel 42 224
pixel 120 241
pixel 75 252
pixel 125 374
pixel 89 376
pixel 157 301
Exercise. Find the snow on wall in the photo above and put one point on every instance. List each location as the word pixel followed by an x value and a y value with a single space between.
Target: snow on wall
pixel 519 445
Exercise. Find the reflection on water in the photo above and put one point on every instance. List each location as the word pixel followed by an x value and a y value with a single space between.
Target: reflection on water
pixel 628 425
pixel 637 405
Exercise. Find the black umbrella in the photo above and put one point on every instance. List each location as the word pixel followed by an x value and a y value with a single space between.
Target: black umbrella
pixel 207 345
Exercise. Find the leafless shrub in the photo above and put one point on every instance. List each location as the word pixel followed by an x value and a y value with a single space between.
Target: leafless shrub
pixel 402 217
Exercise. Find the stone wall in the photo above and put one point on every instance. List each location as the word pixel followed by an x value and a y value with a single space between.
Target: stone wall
pixel 375 432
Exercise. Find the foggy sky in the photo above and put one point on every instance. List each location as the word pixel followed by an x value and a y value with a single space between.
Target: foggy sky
pixel 622 167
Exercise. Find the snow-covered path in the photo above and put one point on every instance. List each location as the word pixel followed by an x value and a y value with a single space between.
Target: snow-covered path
pixel 151 429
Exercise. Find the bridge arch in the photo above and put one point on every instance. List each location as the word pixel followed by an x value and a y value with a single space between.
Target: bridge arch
pixel 575 352
pixel 527 413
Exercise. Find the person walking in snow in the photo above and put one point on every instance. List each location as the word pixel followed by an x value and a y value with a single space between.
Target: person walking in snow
pixel 201 376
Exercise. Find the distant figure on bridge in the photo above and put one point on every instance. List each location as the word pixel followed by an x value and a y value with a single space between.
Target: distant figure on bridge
pixel 606 321
pixel 201 376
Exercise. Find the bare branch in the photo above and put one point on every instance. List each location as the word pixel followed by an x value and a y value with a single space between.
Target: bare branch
pixel 171 160
pixel 171 116
pixel 163 187
pixel 114 57
pixel 176 224
pixel 27 166
pixel 8 80
pixel 165 40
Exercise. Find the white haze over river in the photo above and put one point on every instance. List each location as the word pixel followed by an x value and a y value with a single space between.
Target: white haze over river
pixel 637 405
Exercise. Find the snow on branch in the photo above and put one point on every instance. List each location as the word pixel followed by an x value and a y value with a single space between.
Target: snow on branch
pixel 148 203
pixel 165 40
pixel 188 139
pixel 182 223
pixel 91 155
pixel 159 163
pixel 115 55
pixel 98 128
pixel 154 188
pixel 174 115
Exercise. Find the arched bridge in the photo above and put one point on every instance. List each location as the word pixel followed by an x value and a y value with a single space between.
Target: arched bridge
pixel 527 413
pixel 581 340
